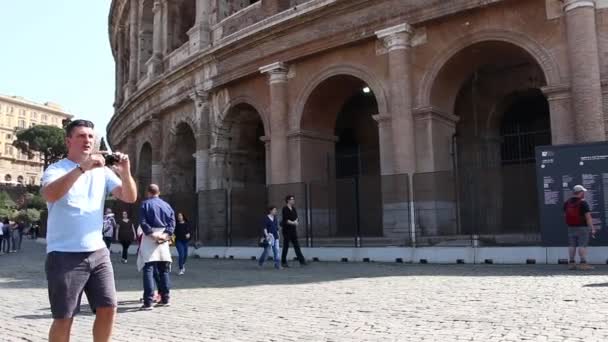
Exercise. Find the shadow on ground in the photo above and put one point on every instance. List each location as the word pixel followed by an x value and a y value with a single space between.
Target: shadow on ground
pixel 26 270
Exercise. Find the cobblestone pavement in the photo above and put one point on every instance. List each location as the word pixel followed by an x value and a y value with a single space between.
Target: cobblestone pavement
pixel 224 300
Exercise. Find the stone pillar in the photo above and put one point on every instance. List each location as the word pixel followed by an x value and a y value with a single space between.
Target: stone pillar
pixel 584 70
pixel 279 164
pixel 157 167
pixel 385 137
pixel 201 105
pixel 397 41
pixel 169 16
pixel 156 62
pixel 200 34
pixel 133 47
pixel 434 133
pixel 132 152
pixel 266 141
pixel 562 118
pixel 120 51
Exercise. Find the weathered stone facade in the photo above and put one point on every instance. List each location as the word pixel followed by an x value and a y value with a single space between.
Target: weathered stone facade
pixel 217 93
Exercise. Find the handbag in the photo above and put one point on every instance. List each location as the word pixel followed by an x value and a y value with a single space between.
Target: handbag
pixel 263 242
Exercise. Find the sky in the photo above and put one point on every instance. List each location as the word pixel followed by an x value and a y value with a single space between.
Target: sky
pixel 59 51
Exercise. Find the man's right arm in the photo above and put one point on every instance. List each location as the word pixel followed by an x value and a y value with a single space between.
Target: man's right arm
pixel 56 189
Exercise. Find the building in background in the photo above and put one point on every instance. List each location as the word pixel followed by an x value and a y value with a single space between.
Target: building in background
pixel 394 122
pixel 18 113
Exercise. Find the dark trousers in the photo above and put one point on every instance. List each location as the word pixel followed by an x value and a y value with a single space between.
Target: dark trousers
pixel 125 248
pixel 6 242
pixel 291 235
pixel 164 283
pixel 108 241
pixel 182 252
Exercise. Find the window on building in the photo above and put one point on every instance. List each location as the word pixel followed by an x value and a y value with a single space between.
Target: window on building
pixel 32 180
pixel 11 109
pixel 9 136
pixel 22 112
pixel 21 123
pixel 8 150
pixel 34 115
pixel 8 178
pixel 9 122
pixel 32 124
pixel 20 179
pixel 44 117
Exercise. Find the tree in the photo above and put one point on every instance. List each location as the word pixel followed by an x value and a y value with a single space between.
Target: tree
pixel 27 215
pixel 7 206
pixel 46 140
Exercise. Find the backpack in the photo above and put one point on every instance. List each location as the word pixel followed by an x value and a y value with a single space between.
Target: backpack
pixel 573 213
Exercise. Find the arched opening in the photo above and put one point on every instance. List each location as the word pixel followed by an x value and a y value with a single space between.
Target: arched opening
pixel 8 178
pixel 183 17
pixel 244 170
pixel 144 169
pixel 494 89
pixel 20 179
pixel 245 160
pixel 342 158
pixel 146 31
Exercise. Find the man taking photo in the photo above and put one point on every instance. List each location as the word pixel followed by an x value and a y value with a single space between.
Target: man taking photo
pixel 78 261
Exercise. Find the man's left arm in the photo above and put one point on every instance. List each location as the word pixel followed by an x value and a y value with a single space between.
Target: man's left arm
pixel 170 223
pixel 125 189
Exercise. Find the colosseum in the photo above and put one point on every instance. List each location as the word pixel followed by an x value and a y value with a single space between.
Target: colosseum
pixel 394 122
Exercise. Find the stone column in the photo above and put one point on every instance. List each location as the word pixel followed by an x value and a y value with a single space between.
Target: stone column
pixel 200 34
pixel 266 141
pixel 397 41
pixel 562 118
pixel 157 167
pixel 201 105
pixel 385 137
pixel 584 70
pixel 133 47
pixel 120 51
pixel 169 15
pixel 277 79
pixel 156 62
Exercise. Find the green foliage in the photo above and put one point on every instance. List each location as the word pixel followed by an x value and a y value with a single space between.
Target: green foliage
pixel 6 202
pixel 46 140
pixel 36 202
pixel 27 215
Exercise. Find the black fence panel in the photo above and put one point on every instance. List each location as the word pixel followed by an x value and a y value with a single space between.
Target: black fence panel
pixel 247 210
pixel 213 218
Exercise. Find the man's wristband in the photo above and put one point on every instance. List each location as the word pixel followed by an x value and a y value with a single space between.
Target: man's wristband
pixel 80 168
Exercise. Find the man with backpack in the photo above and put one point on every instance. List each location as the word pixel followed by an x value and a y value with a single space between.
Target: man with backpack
pixel 580 225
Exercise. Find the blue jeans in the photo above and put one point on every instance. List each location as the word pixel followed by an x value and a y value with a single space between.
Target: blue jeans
pixel 275 252
pixel 182 251
pixel 164 283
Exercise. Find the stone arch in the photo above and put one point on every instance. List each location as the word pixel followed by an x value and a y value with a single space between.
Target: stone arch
pixel 357 71
pixel 541 56
pixel 144 166
pixel 8 178
pixel 244 100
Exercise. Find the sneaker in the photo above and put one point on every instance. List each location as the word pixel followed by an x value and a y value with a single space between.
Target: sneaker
pixel 164 304
pixel 124 261
pixel 146 307
pixel 285 265
pixel 571 266
pixel 181 272
pixel 585 267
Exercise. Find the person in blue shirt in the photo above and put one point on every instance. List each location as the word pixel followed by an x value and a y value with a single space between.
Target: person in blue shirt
pixel 78 261
pixel 157 220
pixel 271 235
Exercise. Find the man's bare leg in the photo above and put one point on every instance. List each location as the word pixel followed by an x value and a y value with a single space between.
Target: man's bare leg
pixel 104 322
pixel 60 330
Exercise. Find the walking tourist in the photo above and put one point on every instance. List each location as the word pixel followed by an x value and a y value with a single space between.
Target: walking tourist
pixel 6 236
pixel 109 227
pixel 580 225
pixel 182 237
pixel 75 189
pixel 289 222
pixel 271 237
pixel 158 224
pixel 125 234
pixel 2 237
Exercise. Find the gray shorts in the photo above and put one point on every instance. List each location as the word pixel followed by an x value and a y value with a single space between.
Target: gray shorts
pixel 70 274
pixel 578 236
